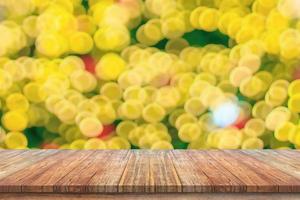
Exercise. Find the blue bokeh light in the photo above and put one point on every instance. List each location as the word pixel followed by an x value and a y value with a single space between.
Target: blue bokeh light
pixel 226 114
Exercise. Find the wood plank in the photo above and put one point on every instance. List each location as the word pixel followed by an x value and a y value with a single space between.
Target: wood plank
pixel 177 196
pixel 13 161
pixel 8 157
pixel 100 173
pixel 46 182
pixel 153 170
pixel 221 179
pixel 136 176
pixel 110 175
pixel 77 179
pixel 285 161
pixel 23 178
pixel 192 179
pixel 7 154
pixel 163 172
pixel 284 181
pixel 252 181
pixel 138 171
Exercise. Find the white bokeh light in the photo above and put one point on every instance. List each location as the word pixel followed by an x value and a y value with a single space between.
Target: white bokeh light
pixel 226 114
pixel 289 8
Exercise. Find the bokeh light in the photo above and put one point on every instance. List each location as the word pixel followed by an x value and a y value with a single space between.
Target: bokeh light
pixel 226 114
pixel 290 8
pixel 155 74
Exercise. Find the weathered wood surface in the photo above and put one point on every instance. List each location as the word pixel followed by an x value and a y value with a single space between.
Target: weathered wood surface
pixel 106 172
pixel 158 196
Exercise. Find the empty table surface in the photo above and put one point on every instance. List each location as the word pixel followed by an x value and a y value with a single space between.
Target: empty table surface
pixel 140 171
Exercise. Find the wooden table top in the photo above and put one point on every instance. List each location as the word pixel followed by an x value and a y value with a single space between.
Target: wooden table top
pixel 66 171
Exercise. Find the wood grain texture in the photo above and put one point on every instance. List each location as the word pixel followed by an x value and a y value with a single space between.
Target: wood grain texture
pixel 21 159
pixel 141 171
pixel 160 196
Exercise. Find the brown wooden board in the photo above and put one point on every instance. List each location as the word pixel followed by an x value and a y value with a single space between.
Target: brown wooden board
pixel 142 171
pixel 155 196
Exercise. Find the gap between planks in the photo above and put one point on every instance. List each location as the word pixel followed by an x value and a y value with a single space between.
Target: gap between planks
pixel 137 171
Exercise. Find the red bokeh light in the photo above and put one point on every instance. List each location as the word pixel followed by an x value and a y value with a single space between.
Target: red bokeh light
pixel 90 63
